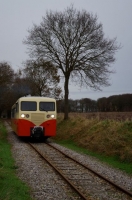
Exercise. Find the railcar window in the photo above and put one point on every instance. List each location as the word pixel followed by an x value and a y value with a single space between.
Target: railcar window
pixel 28 106
pixel 47 106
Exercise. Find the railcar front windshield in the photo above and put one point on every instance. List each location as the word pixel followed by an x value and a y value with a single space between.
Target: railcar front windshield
pixel 47 106
pixel 28 106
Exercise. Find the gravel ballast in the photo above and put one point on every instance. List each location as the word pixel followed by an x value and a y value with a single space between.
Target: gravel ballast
pixel 44 182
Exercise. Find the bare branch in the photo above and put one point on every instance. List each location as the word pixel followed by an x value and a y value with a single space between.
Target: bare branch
pixel 75 43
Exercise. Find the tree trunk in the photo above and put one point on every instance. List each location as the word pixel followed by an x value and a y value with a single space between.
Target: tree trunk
pixel 66 97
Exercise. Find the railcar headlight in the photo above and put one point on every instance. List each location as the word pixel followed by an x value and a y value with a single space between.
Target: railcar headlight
pixel 22 115
pixel 50 116
pixel 27 115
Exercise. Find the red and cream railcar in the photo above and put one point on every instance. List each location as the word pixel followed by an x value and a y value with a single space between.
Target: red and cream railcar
pixel 34 117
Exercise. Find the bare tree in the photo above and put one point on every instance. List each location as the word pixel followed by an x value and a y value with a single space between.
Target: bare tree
pixel 42 78
pixel 74 41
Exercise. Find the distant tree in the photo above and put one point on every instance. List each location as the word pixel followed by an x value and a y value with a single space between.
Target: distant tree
pixel 42 78
pixel 88 105
pixel 6 81
pixel 6 74
pixel 120 103
pixel 16 88
pixel 102 104
pixel 74 41
pixel 72 105
pixel 20 87
pixel 127 100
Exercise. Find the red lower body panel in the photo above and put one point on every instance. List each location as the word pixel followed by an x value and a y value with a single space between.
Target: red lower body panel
pixel 23 127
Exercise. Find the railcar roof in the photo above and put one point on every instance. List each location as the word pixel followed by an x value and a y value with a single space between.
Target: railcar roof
pixel 36 98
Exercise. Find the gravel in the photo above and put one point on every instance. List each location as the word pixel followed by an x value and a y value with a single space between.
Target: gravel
pixel 44 182
pixel 115 175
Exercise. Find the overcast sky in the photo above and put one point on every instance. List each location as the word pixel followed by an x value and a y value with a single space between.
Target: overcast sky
pixel 17 16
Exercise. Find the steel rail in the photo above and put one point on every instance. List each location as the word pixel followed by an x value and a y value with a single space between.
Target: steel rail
pixel 60 173
pixel 129 193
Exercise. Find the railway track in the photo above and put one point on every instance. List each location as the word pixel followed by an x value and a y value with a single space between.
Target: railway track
pixel 79 176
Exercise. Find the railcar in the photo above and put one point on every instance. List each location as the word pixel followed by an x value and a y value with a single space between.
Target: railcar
pixel 34 117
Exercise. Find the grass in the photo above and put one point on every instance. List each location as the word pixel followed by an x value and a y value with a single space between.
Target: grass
pixel 11 187
pixel 112 161
pixel 108 140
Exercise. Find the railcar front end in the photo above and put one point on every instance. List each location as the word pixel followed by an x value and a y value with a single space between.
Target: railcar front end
pixel 34 117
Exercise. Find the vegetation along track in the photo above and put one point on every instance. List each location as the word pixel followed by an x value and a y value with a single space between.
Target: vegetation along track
pixel 86 182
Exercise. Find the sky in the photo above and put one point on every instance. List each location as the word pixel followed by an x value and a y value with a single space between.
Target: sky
pixel 17 16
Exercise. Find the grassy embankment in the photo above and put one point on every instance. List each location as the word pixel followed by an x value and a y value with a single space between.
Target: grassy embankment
pixel 11 188
pixel 108 140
